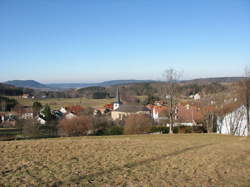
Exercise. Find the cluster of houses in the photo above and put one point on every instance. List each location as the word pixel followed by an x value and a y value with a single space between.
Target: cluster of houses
pixel 30 96
pixel 26 113
pixel 185 114
pixel 64 113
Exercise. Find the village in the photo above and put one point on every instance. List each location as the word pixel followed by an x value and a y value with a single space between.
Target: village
pixel 124 93
pixel 195 114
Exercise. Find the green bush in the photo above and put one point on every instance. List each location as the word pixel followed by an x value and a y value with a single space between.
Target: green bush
pixel 185 129
pixel 163 129
pixel 175 130
pixel 115 130
pixel 7 104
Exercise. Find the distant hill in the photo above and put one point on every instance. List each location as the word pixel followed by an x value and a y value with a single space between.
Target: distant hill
pixel 27 84
pixel 70 85
pixel 121 82
pixel 62 86
pixel 102 84
pixel 10 90
pixel 6 86
pixel 214 79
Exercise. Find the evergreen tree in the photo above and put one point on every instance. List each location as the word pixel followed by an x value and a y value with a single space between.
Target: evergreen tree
pixel 47 113
pixel 36 108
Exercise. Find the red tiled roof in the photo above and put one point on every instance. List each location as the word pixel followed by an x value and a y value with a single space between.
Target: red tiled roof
pixel 109 106
pixel 189 113
pixel 102 110
pixel 160 109
pixel 150 106
pixel 75 109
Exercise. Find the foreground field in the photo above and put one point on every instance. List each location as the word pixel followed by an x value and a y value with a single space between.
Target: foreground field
pixel 151 160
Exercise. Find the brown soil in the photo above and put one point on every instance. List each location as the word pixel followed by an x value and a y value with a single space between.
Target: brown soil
pixel 140 160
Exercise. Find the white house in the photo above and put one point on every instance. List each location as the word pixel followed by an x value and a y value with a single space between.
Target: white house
pixel 63 110
pixel 27 115
pixel 70 115
pixel 26 96
pixel 41 120
pixel 234 123
pixel 159 113
pixel 197 96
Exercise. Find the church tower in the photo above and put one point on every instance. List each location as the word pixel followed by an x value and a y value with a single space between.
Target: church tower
pixel 117 102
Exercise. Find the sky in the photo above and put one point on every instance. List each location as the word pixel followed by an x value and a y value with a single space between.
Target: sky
pixel 97 40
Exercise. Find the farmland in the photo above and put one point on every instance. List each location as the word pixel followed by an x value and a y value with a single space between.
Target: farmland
pixel 56 103
pixel 152 160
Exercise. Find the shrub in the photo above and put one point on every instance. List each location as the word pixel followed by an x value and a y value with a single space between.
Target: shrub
pixel 7 104
pixel 163 129
pixel 47 112
pixel 75 127
pixel 137 124
pixel 185 129
pixel 104 126
pixel 31 129
pixel 49 129
pixel 100 125
pixel 175 130
pixel 36 107
pixel 199 129
pixel 20 123
pixel 116 130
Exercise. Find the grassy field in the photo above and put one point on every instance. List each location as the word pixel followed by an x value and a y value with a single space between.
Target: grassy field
pixel 143 160
pixel 56 103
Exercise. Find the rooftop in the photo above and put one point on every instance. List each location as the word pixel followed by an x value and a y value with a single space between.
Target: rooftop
pixel 132 108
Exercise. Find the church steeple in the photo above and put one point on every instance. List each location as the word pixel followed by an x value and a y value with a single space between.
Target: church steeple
pixel 117 100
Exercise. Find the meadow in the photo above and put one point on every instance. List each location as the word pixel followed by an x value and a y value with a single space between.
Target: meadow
pixel 57 103
pixel 139 160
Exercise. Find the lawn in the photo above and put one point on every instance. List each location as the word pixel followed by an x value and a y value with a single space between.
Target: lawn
pixel 56 103
pixel 142 160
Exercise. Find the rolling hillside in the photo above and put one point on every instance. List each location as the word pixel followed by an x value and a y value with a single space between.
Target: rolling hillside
pixel 27 84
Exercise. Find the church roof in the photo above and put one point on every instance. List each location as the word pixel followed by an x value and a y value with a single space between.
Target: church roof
pixel 132 108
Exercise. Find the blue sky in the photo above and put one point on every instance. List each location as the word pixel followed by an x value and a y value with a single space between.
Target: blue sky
pixel 97 40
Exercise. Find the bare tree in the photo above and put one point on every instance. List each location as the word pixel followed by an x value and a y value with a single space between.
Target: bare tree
pixel 172 77
pixel 209 118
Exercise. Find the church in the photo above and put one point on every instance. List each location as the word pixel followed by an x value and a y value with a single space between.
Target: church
pixel 121 110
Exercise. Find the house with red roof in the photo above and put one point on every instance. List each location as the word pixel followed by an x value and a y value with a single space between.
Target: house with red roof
pixel 77 109
pixel 189 113
pixel 160 113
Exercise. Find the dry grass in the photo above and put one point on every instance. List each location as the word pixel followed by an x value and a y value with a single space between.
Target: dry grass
pixel 140 160
pixel 56 103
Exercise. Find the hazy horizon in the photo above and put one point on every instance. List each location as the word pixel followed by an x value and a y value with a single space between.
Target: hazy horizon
pixel 94 41
pixel 91 82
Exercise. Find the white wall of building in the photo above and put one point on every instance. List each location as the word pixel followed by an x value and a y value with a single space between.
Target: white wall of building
pixel 234 123
pixel 116 106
